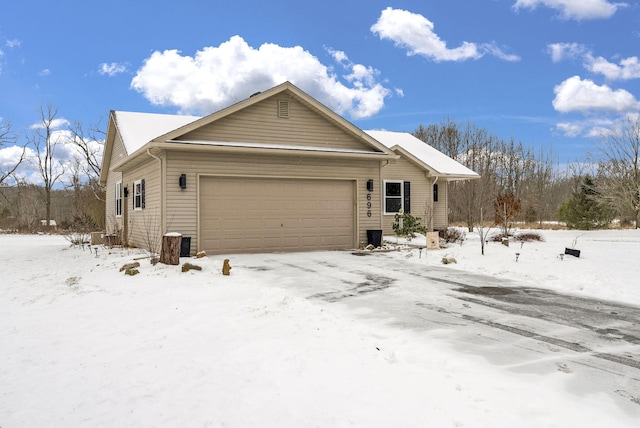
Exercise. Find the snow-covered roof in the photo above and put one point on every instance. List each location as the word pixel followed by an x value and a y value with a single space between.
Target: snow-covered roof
pixel 137 129
pixel 423 152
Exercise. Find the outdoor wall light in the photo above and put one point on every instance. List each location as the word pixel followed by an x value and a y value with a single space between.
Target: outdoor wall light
pixel 369 185
pixel 183 181
pixel 126 192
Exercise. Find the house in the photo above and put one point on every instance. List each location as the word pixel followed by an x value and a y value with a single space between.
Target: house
pixel 417 182
pixel 278 171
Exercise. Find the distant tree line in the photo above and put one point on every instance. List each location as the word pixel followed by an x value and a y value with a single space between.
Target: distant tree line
pixel 520 184
pixel 66 161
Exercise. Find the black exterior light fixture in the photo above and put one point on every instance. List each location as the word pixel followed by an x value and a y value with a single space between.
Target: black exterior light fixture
pixel 370 185
pixel 183 181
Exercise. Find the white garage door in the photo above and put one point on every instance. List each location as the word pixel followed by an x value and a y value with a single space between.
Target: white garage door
pixel 241 215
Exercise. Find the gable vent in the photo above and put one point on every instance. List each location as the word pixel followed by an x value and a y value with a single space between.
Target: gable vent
pixel 283 108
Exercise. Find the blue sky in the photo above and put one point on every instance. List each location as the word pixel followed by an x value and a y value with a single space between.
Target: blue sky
pixel 550 73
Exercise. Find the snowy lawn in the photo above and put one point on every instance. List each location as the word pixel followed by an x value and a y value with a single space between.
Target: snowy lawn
pixel 82 344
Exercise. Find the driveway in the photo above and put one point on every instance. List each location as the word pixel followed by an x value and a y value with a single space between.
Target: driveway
pixel 511 324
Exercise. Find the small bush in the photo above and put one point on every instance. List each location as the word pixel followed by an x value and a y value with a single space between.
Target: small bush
pixel 529 236
pixel 410 225
pixel 499 237
pixel 452 235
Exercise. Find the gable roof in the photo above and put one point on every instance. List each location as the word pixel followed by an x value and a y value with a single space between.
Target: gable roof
pixel 309 101
pixel 142 132
pixel 137 129
pixel 424 155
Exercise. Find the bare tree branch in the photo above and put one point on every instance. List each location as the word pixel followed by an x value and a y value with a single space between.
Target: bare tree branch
pixel 619 170
pixel 7 137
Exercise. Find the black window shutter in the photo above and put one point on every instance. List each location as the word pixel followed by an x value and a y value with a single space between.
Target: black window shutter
pixel 142 192
pixel 435 193
pixel 407 197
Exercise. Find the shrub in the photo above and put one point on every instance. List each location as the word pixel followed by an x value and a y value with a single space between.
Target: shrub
pixel 499 237
pixel 410 225
pixel 529 236
pixel 452 235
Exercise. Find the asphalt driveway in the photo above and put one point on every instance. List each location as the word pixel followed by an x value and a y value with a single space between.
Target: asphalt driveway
pixel 509 323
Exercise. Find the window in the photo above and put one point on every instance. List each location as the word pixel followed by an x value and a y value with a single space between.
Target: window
pixel 435 193
pixel 119 199
pixel 397 195
pixel 138 194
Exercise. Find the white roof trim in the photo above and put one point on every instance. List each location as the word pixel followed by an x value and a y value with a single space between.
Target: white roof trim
pixel 276 147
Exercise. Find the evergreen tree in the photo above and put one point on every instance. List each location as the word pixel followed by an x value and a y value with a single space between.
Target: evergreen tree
pixel 583 210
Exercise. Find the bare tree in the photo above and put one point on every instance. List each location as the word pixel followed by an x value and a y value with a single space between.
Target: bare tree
pixel 8 138
pixel 45 141
pixel 89 143
pixel 619 170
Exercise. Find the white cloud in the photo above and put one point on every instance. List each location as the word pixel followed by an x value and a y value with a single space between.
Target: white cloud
pixel 589 128
pixel 55 124
pixel 112 69
pixel 45 72
pixel 575 9
pixel 570 129
pixel 218 76
pixel 14 43
pixel 9 156
pixel 415 33
pixel 562 51
pixel 575 94
pixel 627 68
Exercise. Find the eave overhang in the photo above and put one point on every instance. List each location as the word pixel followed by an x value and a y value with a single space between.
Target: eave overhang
pixel 248 148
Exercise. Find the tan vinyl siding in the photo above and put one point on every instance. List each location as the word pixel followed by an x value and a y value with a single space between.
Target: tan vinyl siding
pixel 441 208
pixel 260 123
pixel 422 204
pixel 119 152
pixel 113 224
pixel 182 205
pixel 144 226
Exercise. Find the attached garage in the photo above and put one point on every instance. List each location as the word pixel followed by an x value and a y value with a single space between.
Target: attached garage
pixel 253 215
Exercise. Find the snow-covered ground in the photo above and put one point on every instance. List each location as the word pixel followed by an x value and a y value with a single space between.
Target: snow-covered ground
pixel 81 344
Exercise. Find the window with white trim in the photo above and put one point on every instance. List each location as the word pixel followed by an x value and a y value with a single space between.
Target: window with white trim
pixel 119 199
pixel 138 194
pixel 392 196
pixel 397 196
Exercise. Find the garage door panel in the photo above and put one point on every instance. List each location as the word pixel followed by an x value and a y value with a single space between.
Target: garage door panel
pixel 263 215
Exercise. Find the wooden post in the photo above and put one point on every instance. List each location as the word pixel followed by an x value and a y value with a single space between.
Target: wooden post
pixel 170 254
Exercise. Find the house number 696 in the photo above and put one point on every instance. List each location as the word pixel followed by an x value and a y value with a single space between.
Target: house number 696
pixel 368 204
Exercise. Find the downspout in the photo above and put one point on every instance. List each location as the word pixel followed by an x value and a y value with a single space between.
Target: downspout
pixel 433 203
pixel 162 175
